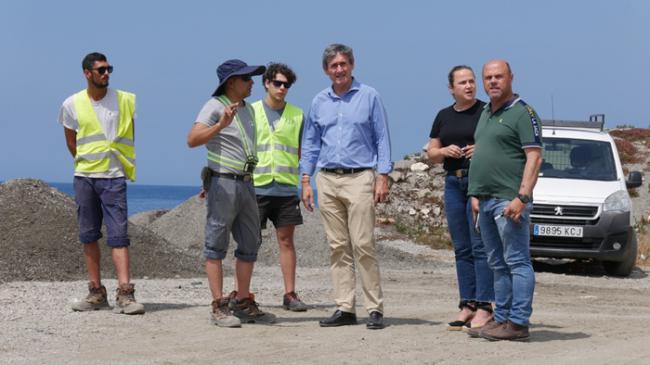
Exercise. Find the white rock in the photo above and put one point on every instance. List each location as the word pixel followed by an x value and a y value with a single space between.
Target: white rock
pixel 425 211
pixel 419 167
pixel 412 211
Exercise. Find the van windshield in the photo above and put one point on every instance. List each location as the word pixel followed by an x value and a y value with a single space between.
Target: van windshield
pixel 578 159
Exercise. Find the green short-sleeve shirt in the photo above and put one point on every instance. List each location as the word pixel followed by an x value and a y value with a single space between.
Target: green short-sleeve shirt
pixel 501 137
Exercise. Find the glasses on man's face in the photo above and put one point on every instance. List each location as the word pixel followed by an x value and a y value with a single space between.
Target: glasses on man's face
pixel 278 83
pixel 104 69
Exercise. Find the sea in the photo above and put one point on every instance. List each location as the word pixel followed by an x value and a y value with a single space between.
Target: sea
pixel 143 198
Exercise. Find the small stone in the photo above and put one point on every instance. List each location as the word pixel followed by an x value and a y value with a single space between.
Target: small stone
pixel 412 211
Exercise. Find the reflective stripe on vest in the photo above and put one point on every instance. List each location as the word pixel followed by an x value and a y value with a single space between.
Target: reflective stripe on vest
pixel 277 150
pixel 216 160
pixel 95 153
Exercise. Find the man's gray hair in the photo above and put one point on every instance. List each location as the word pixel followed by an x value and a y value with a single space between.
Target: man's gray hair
pixel 331 51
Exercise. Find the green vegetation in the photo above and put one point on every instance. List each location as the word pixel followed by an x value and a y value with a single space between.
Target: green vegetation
pixel 434 237
pixel 625 126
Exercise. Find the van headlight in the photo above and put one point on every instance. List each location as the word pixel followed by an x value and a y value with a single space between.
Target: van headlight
pixel 618 201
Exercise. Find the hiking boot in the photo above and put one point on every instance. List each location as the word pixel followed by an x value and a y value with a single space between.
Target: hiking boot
pixel 96 299
pixel 125 300
pixel 475 332
pixel 222 315
pixel 248 312
pixel 291 302
pixel 233 295
pixel 506 332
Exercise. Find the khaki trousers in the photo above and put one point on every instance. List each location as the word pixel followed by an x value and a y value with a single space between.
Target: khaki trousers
pixel 348 212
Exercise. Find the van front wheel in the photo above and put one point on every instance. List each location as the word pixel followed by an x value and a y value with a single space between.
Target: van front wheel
pixel 623 268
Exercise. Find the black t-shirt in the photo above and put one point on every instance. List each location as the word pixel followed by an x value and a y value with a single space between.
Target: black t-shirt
pixel 453 127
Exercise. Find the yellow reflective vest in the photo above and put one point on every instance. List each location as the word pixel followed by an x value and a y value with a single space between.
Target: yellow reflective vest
pixel 277 150
pixel 95 152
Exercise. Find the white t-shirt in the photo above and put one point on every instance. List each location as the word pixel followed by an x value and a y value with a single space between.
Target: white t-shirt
pixel 108 114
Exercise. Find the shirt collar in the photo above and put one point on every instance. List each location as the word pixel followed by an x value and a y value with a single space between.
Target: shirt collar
pixel 356 85
pixel 508 105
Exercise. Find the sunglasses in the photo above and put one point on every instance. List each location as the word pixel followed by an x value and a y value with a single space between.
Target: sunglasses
pixel 102 70
pixel 278 83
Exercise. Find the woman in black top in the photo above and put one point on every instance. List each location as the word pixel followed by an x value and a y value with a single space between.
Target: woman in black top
pixel 452 142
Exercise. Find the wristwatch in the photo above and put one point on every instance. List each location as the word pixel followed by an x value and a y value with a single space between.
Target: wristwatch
pixel 524 198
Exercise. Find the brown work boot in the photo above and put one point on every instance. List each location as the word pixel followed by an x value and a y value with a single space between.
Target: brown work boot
pixel 248 312
pixel 125 300
pixel 475 332
pixel 222 315
pixel 291 302
pixel 507 332
pixel 96 299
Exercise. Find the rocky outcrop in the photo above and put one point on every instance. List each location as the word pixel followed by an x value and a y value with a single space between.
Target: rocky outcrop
pixel 415 204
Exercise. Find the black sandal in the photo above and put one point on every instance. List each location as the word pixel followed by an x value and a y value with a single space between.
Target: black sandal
pixel 458 324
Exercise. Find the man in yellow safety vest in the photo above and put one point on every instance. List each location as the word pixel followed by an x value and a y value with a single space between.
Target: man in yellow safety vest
pixel 278 126
pixel 99 132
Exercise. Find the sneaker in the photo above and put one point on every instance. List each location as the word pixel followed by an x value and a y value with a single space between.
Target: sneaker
pixel 222 315
pixel 507 332
pixel 291 302
pixel 475 332
pixel 96 299
pixel 125 300
pixel 248 311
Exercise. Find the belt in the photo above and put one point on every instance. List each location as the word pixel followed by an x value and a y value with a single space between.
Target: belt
pixel 246 177
pixel 345 170
pixel 458 173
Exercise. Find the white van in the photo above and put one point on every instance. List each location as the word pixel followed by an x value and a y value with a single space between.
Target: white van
pixel 581 207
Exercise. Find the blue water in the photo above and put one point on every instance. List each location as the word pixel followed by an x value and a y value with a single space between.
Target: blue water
pixel 142 198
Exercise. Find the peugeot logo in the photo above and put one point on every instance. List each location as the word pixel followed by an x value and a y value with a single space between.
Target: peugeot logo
pixel 558 210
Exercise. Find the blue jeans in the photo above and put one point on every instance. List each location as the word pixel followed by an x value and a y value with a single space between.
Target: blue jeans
pixel 475 280
pixel 508 251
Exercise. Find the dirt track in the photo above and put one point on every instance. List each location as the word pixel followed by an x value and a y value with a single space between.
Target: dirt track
pixel 577 319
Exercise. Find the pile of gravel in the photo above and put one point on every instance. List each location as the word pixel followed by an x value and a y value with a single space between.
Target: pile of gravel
pixel 184 226
pixel 39 240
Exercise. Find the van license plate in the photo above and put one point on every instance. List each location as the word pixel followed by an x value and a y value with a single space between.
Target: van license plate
pixel 557 231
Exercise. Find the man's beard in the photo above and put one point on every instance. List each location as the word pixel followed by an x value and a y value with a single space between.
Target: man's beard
pixel 98 85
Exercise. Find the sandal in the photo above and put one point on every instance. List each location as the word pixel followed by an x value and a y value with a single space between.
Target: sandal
pixel 485 306
pixel 458 325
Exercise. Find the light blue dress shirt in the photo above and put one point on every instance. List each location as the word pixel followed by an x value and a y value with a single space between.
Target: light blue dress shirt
pixel 349 131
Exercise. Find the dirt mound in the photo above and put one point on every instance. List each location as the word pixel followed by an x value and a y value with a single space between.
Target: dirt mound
pixel 39 240
pixel 184 226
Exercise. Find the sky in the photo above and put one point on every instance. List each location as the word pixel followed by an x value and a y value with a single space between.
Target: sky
pixel 570 59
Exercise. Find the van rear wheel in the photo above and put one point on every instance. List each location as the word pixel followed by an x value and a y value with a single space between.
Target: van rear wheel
pixel 623 268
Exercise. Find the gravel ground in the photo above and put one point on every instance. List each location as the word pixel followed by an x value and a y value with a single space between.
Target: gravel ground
pixel 578 319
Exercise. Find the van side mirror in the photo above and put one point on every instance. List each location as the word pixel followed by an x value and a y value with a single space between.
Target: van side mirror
pixel 634 180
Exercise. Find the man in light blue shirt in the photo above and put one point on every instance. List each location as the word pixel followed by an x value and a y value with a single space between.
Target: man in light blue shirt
pixel 346 137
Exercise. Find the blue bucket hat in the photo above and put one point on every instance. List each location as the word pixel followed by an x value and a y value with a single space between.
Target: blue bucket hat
pixel 235 68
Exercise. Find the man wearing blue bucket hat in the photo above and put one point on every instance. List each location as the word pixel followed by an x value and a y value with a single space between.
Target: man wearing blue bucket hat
pixel 225 126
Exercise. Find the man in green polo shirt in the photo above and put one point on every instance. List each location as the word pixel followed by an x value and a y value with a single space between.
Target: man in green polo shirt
pixel 504 170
